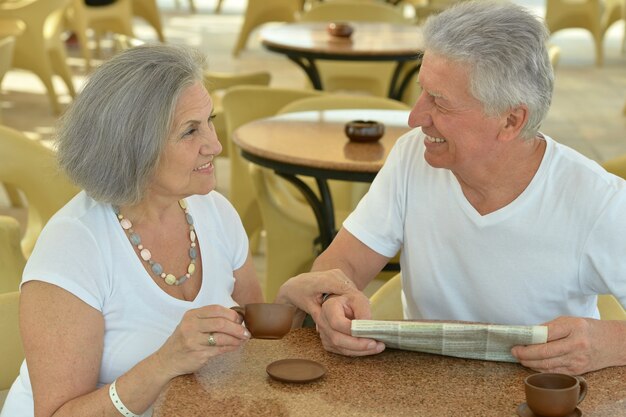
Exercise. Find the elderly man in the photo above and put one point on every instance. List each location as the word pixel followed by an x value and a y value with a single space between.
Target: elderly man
pixel 496 221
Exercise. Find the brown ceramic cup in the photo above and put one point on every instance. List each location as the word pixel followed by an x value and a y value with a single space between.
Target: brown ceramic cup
pixel 364 130
pixel 340 29
pixel 267 320
pixel 554 395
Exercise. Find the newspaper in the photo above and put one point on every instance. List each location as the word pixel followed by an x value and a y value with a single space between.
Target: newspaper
pixel 492 342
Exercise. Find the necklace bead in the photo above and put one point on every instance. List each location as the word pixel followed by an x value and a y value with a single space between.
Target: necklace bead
pixel 146 255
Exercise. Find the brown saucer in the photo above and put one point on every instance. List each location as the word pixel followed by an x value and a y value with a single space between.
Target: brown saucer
pixel 524 411
pixel 295 370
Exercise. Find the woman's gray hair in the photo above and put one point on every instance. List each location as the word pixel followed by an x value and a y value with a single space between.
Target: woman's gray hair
pixel 504 47
pixel 112 136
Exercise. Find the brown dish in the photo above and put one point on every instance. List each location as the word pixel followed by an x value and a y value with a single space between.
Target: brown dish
pixel 524 411
pixel 295 370
pixel 340 30
pixel 364 130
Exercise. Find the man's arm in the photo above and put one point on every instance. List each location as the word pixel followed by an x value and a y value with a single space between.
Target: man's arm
pixel 357 261
pixel 343 270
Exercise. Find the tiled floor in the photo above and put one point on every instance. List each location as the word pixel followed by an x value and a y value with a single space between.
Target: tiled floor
pixel 586 112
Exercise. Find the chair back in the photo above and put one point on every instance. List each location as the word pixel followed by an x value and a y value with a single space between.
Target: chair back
pixel 610 308
pixel 11 258
pixel 386 302
pixel 243 104
pixel 217 83
pixel 11 351
pixel 46 189
pixel 290 228
pixel 354 10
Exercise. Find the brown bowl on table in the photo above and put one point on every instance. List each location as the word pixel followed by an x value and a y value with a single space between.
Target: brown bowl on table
pixel 364 130
pixel 340 30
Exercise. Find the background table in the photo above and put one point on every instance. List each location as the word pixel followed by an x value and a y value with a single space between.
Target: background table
pixel 393 383
pixel 304 43
pixel 314 144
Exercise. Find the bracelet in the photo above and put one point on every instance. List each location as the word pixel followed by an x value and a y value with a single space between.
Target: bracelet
pixel 117 402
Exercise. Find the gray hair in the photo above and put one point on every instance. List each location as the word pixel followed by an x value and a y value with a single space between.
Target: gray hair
pixel 504 47
pixel 111 138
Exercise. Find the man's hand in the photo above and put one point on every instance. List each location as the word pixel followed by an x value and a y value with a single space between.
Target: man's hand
pixel 576 346
pixel 334 324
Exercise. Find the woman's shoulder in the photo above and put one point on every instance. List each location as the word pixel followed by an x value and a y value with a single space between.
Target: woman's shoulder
pixel 81 214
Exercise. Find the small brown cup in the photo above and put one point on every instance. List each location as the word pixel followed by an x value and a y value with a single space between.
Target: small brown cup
pixel 364 130
pixel 554 395
pixel 267 320
pixel 340 29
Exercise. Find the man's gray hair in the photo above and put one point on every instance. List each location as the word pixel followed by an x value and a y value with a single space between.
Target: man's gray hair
pixel 504 47
pixel 112 136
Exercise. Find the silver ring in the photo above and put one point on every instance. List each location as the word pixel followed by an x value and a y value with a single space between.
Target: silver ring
pixel 212 341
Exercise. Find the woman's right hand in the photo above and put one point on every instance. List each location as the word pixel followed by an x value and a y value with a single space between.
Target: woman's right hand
pixel 189 349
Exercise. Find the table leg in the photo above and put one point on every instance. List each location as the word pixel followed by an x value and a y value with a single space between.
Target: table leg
pixel 322 207
pixel 397 86
pixel 309 67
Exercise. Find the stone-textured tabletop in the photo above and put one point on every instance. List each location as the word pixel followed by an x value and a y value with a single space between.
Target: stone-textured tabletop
pixel 393 383
pixel 316 139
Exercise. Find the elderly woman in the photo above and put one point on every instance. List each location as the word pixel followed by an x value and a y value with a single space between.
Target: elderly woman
pixel 131 282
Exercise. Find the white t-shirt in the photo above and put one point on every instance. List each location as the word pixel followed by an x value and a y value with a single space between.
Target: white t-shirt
pixel 546 254
pixel 84 250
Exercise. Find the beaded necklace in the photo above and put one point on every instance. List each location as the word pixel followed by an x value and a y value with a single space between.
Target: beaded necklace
pixel 155 267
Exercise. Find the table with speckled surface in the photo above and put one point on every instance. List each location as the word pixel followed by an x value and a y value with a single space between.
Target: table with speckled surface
pixel 393 383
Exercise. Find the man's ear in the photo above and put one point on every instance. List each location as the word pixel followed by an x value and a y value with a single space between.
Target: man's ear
pixel 516 119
